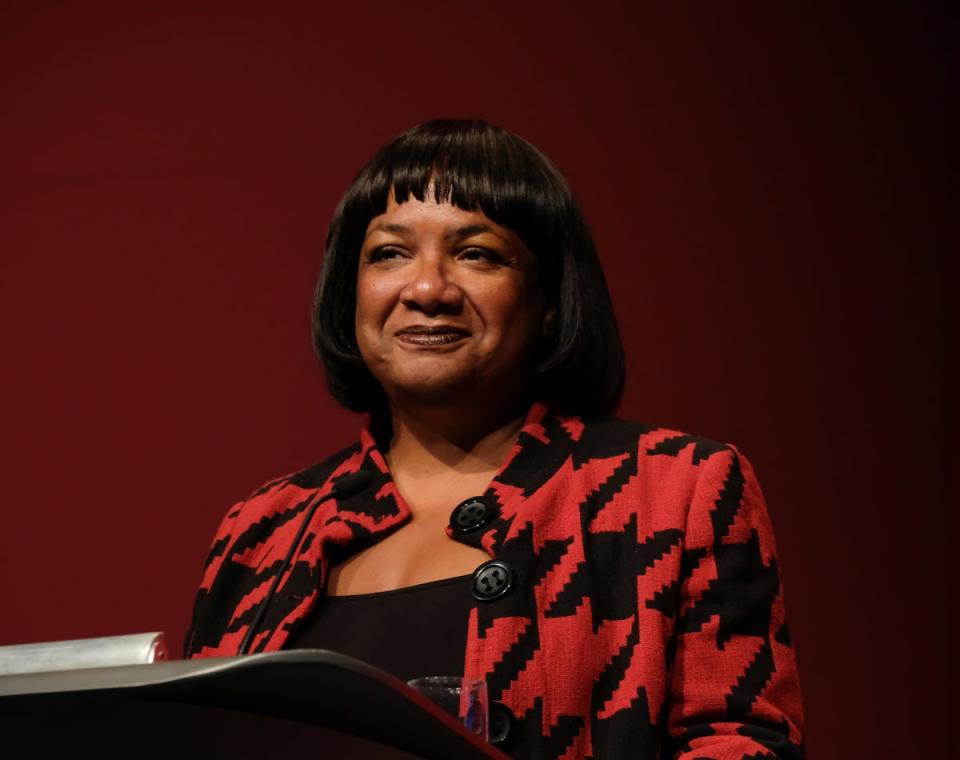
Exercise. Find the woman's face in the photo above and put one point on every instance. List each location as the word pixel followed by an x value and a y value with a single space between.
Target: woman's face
pixel 448 306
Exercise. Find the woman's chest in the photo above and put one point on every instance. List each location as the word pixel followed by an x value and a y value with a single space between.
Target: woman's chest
pixel 419 552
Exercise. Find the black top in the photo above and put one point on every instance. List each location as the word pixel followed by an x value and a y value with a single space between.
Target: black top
pixel 410 632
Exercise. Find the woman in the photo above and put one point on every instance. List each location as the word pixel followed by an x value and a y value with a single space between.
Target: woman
pixel 616 585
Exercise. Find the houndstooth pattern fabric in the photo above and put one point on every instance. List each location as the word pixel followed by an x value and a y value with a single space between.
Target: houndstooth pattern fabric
pixel 646 615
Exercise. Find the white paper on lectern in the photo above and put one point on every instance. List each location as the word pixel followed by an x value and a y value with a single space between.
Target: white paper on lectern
pixel 107 651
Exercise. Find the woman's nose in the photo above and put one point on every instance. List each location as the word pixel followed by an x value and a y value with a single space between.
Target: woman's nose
pixel 430 288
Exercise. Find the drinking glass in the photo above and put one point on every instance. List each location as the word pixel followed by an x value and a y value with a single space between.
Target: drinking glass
pixel 463 698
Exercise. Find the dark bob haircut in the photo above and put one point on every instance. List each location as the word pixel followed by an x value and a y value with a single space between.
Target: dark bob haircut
pixel 478 166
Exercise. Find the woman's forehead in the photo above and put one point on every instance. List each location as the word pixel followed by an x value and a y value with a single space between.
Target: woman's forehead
pixel 414 216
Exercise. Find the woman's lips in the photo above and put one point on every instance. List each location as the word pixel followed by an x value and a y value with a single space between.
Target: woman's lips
pixel 434 335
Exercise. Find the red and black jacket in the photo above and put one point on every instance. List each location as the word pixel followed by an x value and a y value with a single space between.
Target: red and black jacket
pixel 644 616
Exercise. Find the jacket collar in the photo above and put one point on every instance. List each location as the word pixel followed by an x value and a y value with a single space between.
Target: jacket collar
pixel 380 509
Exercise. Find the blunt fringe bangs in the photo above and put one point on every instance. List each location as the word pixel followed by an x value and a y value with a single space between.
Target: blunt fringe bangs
pixel 478 166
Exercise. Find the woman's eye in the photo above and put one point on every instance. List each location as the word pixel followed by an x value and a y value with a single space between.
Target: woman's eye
pixel 383 253
pixel 480 254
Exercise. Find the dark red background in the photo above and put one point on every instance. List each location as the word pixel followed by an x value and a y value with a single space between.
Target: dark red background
pixel 766 188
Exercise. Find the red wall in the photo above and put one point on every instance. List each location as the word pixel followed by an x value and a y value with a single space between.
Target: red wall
pixel 765 188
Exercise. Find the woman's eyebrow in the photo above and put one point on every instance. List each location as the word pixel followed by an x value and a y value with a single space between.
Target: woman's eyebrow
pixel 458 234
pixel 381 227
pixel 470 230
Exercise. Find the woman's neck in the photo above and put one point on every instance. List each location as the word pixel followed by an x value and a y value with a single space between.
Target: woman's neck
pixel 432 441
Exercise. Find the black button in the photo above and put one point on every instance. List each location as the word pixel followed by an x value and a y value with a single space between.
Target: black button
pixel 503 725
pixel 492 580
pixel 472 514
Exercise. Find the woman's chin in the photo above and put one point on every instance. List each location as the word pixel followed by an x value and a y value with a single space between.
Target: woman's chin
pixel 435 387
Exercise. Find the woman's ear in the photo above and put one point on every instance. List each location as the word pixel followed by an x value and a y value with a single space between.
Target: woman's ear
pixel 549 323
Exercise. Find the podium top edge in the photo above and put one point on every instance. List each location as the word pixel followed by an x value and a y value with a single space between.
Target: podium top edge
pixel 122 677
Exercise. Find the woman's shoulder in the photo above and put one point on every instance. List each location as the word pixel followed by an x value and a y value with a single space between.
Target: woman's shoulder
pixel 604 435
pixel 295 486
pixel 641 456
pixel 668 470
